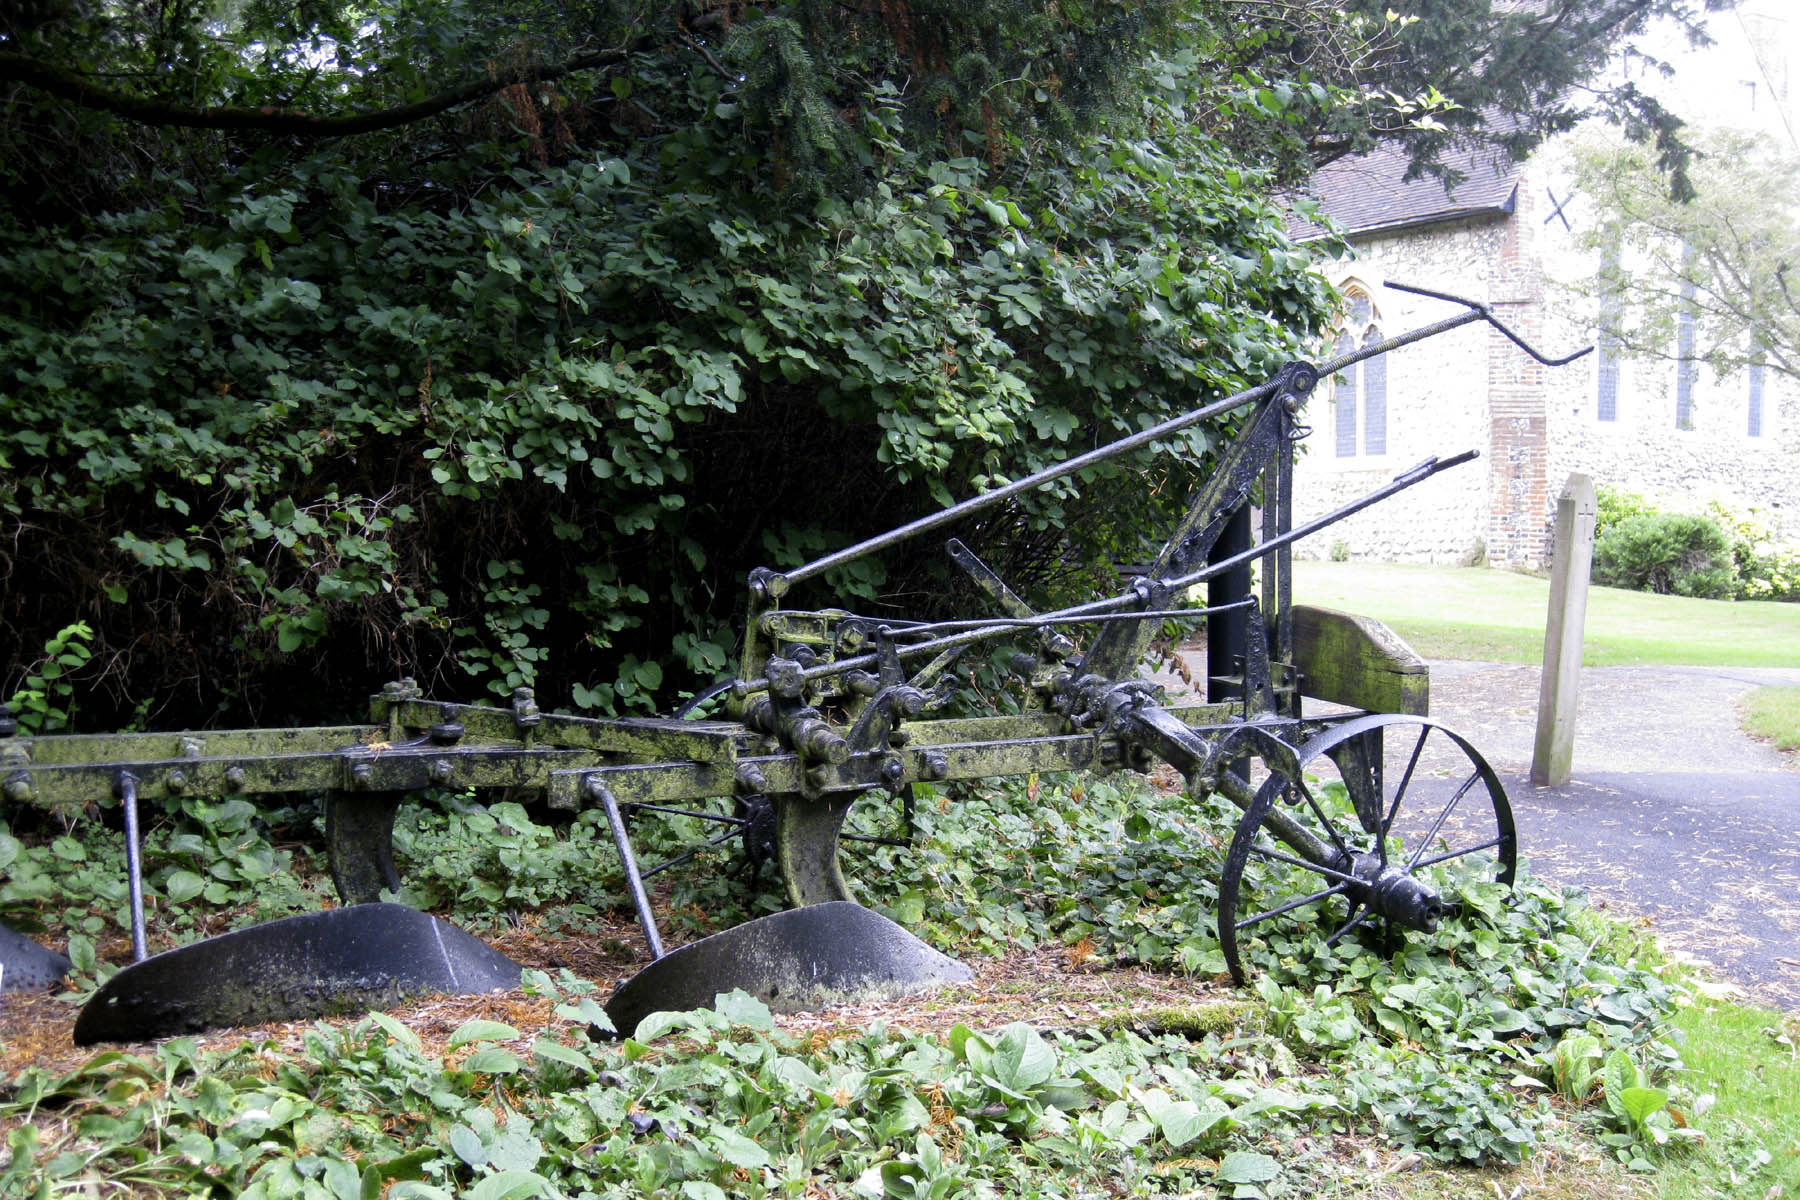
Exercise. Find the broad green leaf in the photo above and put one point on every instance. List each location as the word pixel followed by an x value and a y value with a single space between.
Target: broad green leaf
pixel 741 1008
pixel 508 1185
pixel 1640 1102
pixel 514 1148
pixel 555 1051
pixel 492 1060
pixel 81 952
pixel 1022 1060
pixel 1618 1075
pixel 396 1030
pixel 1179 1121
pixel 479 1029
pixel 587 1009
pixel 659 1023
pixel 341 1179
pixel 1246 1166
pixel 737 1149
pixel 406 1166
pixel 409 1189
pixel 467 1145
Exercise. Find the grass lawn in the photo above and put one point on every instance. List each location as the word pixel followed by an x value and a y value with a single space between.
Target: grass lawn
pixel 1773 713
pixel 1498 616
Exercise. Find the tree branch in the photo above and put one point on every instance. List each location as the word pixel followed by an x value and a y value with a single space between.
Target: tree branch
pixel 83 91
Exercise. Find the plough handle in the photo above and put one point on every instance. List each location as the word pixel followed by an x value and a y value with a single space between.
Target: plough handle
pixel 777 582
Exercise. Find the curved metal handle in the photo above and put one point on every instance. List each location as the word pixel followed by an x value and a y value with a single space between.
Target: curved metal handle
pixel 1487 314
pixel 764 582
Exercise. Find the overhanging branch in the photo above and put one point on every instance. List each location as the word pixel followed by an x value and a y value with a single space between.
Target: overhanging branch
pixel 83 91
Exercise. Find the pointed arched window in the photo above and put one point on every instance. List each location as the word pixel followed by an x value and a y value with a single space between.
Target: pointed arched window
pixel 1359 393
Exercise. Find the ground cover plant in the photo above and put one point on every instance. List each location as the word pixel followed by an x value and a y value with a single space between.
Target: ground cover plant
pixel 1526 1023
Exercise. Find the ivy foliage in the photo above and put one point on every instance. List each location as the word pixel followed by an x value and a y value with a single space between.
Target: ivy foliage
pixel 1450 1046
pixel 311 417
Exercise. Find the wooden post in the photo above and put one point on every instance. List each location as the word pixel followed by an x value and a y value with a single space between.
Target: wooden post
pixel 1560 688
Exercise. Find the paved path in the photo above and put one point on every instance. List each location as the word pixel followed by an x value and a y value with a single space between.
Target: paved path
pixel 1673 813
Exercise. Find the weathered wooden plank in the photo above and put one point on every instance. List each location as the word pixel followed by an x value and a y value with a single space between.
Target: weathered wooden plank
pixel 1349 659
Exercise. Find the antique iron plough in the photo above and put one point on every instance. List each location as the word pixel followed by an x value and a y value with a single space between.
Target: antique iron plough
pixel 828 707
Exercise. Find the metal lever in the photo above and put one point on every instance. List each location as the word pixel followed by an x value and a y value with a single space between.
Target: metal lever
pixel 1054 644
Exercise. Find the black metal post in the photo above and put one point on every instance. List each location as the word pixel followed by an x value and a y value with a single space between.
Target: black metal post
pixel 1226 631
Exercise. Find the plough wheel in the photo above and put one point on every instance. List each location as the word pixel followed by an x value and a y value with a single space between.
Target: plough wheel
pixel 1388 799
pixel 806 847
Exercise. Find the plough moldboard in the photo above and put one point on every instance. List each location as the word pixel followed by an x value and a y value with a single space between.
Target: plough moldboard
pixel 829 707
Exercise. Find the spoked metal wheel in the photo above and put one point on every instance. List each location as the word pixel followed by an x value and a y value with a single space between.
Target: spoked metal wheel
pixel 1381 809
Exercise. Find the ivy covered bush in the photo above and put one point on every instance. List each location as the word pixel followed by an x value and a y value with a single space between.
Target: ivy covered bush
pixel 518 399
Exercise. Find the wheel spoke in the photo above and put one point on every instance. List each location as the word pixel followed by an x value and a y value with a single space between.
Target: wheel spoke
pixel 1277 834
pixel 1400 793
pixel 1330 826
pixel 1278 856
pixel 1358 915
pixel 1432 862
pixel 1438 824
pixel 1290 907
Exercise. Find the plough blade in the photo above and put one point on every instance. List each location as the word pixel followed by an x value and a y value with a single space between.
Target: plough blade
pixel 26 966
pixel 794 961
pixel 318 964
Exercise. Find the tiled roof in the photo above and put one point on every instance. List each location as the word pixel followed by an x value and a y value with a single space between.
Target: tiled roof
pixel 1367 193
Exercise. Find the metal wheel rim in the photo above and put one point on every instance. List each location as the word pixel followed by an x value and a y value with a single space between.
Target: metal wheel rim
pixel 1480 778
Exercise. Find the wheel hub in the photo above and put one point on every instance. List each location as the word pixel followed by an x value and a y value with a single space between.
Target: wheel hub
pixel 1387 891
